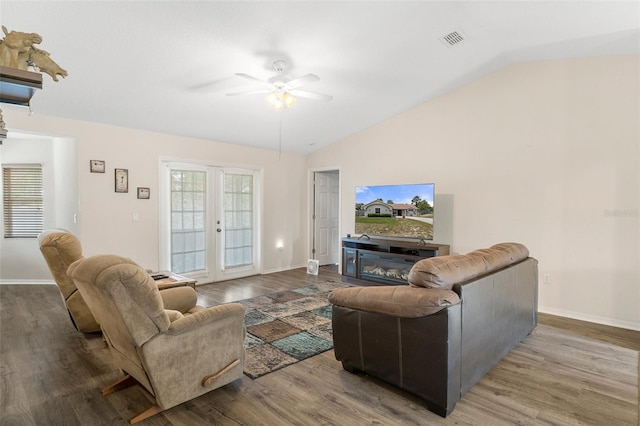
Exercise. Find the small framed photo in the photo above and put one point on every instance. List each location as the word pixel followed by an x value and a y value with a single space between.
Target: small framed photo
pixel 122 180
pixel 96 166
pixel 143 193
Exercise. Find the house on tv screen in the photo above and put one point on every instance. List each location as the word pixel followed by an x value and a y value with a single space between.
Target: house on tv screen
pixel 379 207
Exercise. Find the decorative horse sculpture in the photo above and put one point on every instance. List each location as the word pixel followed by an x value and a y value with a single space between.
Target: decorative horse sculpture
pixel 14 44
pixel 41 59
pixel 17 50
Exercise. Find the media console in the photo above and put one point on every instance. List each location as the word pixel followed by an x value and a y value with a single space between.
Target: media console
pixel 381 261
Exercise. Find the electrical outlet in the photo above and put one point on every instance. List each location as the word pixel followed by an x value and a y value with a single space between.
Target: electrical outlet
pixel 546 278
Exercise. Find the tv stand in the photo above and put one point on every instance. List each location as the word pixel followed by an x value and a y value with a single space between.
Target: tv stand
pixel 384 261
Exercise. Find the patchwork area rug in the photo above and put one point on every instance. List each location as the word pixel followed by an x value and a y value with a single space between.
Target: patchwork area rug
pixel 286 327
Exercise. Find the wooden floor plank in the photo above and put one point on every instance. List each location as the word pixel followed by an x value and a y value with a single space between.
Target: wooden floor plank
pixel 618 336
pixel 567 372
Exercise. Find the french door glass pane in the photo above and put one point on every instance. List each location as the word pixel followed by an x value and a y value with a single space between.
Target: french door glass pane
pixel 188 218
pixel 238 216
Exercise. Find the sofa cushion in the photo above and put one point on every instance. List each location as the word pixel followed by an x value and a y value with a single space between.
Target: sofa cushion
pixel 492 259
pixel 397 301
pixel 501 255
pixel 515 251
pixel 445 271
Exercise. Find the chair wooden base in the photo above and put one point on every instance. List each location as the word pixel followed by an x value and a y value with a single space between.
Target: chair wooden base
pixel 151 411
pixel 124 383
pixel 128 381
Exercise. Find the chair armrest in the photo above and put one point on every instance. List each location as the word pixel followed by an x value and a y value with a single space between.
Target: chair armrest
pixel 179 298
pixel 397 301
pixel 212 314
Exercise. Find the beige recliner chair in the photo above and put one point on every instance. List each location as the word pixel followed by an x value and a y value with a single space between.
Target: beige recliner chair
pixel 175 357
pixel 61 248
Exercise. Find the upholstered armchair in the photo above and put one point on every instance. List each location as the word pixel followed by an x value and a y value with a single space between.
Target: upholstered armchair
pixel 60 249
pixel 174 356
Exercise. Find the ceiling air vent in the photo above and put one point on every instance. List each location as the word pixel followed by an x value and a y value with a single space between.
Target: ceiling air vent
pixel 453 38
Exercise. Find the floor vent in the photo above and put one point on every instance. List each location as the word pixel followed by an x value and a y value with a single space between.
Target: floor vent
pixel 453 38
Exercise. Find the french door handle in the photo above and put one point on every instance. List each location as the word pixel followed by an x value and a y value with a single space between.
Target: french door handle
pixel 219 230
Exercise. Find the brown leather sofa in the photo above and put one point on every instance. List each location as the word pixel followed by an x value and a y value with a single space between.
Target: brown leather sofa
pixel 437 336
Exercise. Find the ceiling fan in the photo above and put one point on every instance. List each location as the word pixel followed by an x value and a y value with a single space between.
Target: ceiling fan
pixel 281 90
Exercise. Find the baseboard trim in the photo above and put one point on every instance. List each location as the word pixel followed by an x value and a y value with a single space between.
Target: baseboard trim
pixel 590 318
pixel 11 281
pixel 282 269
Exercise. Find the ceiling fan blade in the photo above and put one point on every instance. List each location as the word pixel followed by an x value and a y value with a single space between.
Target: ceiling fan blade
pixel 250 77
pixel 301 81
pixel 249 92
pixel 311 95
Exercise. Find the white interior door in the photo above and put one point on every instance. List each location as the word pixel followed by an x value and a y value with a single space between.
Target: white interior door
pixel 326 217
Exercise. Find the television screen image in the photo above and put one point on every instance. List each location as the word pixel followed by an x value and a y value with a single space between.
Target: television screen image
pixel 395 211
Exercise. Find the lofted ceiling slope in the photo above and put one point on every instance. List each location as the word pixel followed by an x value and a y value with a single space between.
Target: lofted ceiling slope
pixel 167 66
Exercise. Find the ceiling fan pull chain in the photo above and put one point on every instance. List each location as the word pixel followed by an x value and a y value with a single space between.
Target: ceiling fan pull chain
pixel 280 135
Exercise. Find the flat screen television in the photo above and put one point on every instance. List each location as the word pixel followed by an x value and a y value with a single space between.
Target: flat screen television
pixel 395 211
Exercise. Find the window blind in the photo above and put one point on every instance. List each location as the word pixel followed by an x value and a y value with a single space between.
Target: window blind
pixel 22 194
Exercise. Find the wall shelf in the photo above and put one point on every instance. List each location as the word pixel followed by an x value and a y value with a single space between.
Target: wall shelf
pixel 17 87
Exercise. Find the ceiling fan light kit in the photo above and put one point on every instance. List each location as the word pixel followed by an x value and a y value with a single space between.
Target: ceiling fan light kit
pixel 279 99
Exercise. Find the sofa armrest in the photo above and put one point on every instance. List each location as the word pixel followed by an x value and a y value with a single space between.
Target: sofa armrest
pixel 397 301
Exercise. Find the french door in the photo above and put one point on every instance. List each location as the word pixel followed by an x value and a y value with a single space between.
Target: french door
pixel 209 226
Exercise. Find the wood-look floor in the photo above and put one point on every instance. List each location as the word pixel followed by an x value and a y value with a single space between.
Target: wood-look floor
pixel 566 373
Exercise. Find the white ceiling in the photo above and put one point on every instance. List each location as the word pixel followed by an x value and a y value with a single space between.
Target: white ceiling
pixel 166 66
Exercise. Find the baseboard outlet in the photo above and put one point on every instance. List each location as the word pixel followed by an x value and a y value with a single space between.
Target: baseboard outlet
pixel 590 318
pixel 26 282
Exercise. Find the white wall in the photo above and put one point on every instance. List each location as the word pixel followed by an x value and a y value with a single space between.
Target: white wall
pixel 21 260
pixel 65 164
pixel 106 218
pixel 543 153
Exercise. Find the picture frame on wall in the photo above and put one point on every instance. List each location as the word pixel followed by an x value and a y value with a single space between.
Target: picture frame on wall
pixel 96 166
pixel 144 193
pixel 122 180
